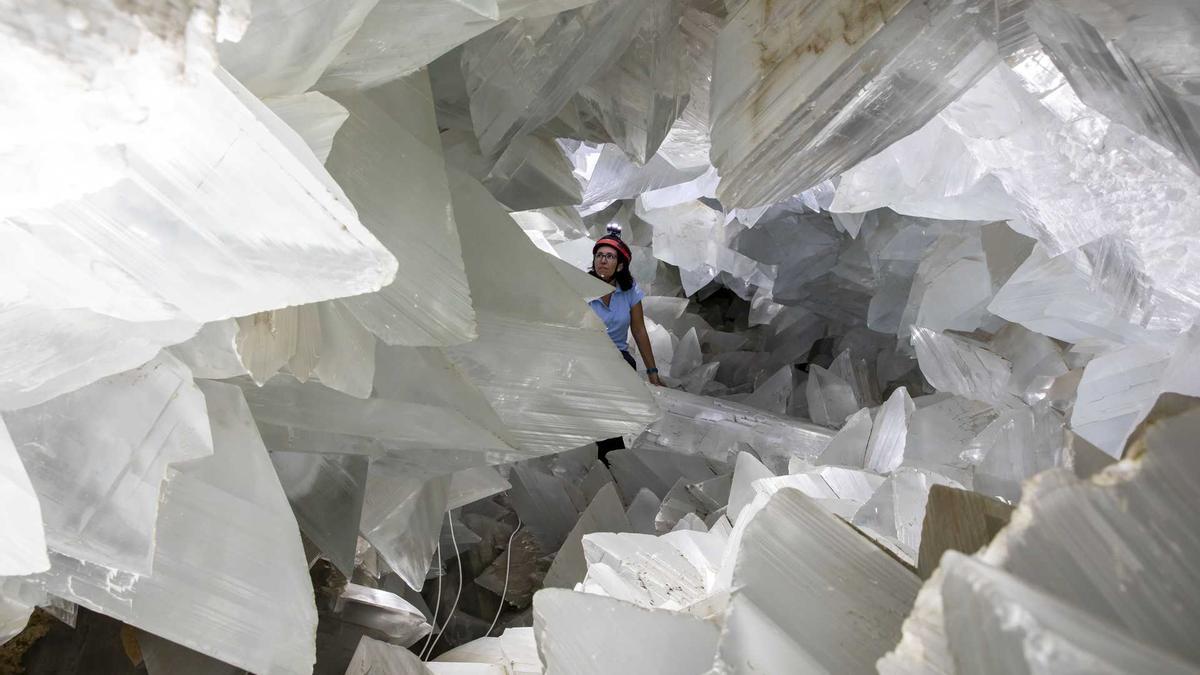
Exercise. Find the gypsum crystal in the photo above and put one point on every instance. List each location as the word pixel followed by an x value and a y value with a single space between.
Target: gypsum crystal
pixel 605 513
pixel 770 623
pixel 638 99
pixel 22 537
pixel 326 493
pixel 1053 547
pixel 520 74
pixel 160 305
pixel 247 602
pixel 398 37
pixel 638 640
pixel 383 164
pixel 712 428
pixel 551 352
pixel 799 87
pixel 96 458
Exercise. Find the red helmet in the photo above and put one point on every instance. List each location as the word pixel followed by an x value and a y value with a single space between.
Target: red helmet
pixel 613 239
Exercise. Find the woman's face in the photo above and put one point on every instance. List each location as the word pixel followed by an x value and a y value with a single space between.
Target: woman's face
pixel 605 262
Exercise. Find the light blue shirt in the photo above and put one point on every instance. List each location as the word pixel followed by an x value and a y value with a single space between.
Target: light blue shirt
pixel 616 314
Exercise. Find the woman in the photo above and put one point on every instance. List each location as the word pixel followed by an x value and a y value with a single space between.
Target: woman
pixel 621 310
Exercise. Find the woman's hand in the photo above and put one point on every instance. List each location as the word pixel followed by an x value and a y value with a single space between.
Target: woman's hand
pixel 653 377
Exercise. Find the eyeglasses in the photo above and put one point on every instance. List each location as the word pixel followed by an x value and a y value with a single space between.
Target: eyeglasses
pixel 606 256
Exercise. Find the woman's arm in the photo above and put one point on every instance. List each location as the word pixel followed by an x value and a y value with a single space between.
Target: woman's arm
pixel 637 324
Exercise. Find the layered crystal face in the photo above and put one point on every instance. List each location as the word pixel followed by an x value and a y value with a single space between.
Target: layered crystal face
pixel 308 362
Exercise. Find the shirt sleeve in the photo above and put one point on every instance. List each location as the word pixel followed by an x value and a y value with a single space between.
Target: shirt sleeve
pixel 635 294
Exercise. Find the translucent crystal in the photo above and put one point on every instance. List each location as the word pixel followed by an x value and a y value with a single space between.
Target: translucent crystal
pixel 398 37
pixel 638 99
pixel 643 512
pixel 605 513
pixel 314 116
pixel 692 237
pixel 402 518
pixel 849 446
pixel 994 620
pixel 326 494
pixel 286 48
pixel 885 448
pixel 385 614
pixel 747 471
pixel 375 657
pixel 612 175
pixel 897 509
pixel 637 639
pixel 830 398
pixel 546 368
pixel 799 88
pixel 542 502
pixel 782 618
pixel 248 601
pixel 1018 444
pixel 22 539
pixel 521 74
pixel 384 165
pixel 959 367
pixel 654 573
pixel 97 456
pixel 713 428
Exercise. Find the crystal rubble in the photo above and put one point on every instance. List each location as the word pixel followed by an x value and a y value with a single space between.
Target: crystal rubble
pixel 248 602
pixel 798 88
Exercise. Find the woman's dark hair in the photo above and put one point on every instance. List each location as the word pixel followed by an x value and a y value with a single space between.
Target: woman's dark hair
pixel 623 277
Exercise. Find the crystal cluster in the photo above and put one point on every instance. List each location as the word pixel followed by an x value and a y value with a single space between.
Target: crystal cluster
pixel 299 375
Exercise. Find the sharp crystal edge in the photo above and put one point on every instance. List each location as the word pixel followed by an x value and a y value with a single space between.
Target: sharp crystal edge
pixel 398 37
pixel 906 264
pixel 638 100
pixel 383 163
pixel 247 601
pixel 801 86
pixel 864 593
pixel 97 457
pixel 557 55
pixel 639 639
pixel 22 534
pixel 1046 566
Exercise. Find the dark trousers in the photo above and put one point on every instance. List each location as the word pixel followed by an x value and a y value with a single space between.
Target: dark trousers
pixel 609 444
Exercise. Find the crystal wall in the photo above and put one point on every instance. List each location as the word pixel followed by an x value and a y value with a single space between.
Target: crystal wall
pixel 298 374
